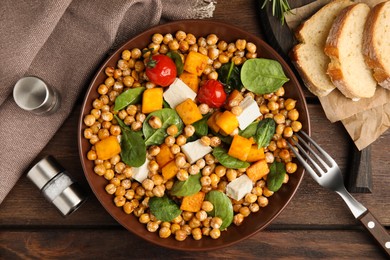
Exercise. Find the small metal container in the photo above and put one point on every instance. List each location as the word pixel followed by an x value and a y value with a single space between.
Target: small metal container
pixel 34 95
pixel 56 185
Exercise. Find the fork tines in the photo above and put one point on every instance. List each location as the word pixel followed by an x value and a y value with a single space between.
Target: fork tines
pixel 321 167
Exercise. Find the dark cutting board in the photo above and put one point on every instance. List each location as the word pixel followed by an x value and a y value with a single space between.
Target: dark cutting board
pixel 281 38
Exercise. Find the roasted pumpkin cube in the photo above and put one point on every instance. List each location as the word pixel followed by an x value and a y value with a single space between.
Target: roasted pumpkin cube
pixel 257 170
pixel 234 98
pixel 255 154
pixel 152 100
pixel 227 121
pixel 164 156
pixel 211 122
pixel 191 80
pixel 107 148
pixel 195 63
pixel 188 111
pixel 240 147
pixel 169 170
pixel 193 203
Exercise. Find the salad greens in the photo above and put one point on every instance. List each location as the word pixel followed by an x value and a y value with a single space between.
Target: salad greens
pixel 275 176
pixel 222 207
pixel 228 161
pixel 229 75
pixel 128 97
pixel 188 187
pixel 164 208
pixel 264 132
pixel 262 76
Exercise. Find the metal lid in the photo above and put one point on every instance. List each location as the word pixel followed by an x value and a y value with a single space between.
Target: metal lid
pixel 69 200
pixel 42 172
pixel 34 95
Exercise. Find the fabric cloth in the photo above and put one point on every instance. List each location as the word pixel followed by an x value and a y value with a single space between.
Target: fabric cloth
pixel 63 42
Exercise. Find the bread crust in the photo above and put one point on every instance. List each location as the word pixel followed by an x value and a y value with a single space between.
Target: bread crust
pixel 335 69
pixel 373 56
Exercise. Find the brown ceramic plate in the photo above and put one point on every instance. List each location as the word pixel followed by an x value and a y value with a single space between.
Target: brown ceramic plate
pixel 256 221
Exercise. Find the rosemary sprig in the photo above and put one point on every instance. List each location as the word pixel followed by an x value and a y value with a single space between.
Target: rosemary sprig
pixel 279 8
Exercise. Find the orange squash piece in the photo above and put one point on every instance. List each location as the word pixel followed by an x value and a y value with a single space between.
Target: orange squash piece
pixel 107 148
pixel 193 203
pixel 236 96
pixel 152 100
pixel 227 121
pixel 255 154
pixel 188 111
pixel 257 170
pixel 191 80
pixel 240 147
pixel 195 63
pixel 211 122
pixel 164 156
pixel 169 170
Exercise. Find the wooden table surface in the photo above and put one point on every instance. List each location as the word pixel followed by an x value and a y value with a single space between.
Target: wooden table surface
pixel 315 224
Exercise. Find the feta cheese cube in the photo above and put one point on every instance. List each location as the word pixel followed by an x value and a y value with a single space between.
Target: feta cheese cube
pixel 239 187
pixel 250 111
pixel 178 92
pixel 141 173
pixel 195 150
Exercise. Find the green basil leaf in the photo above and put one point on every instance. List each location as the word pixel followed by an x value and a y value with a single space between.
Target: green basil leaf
pixel 223 207
pixel 178 61
pixel 229 75
pixel 164 208
pixel 264 132
pixel 133 149
pixel 228 161
pixel 188 187
pixel 128 97
pixel 249 131
pixel 275 176
pixel 168 117
pixel 262 76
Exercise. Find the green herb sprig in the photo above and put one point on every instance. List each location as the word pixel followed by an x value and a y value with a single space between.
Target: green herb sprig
pixel 279 8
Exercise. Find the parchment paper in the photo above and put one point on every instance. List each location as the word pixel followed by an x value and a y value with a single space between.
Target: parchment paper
pixel 365 120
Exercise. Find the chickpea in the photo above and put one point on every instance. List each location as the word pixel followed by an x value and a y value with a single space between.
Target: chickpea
pixel 193 169
pixel 250 198
pixel 240 44
pixel 88 133
pixel 207 170
pixel 91 155
pixel 254 207
pixel 172 130
pixel 155 122
pixel 164 232
pixel 206 231
pixel 180 235
pixel 119 201
pixel 109 174
pixel 181 140
pixel 291 167
pixel 201 215
pixel 236 110
pixel 89 120
pixel 262 201
pixel 238 219
pixel 204 108
pixel 159 191
pixel 175 149
pixel 201 163
pixel 99 169
pixel 148 184
pixel 110 188
pixel 245 211
pixel 288 132
pixel 216 222
pixel 296 126
pixel 215 233
pixel 144 218
pixel 231 174
pixel 205 140
pixel 182 175
pixel 196 233
pixel 136 125
pixel 180 161
pixel 205 181
pixel 207 206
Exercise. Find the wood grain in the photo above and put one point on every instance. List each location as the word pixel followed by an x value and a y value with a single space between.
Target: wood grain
pixel 315 224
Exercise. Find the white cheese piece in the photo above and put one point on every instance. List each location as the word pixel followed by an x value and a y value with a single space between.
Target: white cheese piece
pixel 239 187
pixel 178 92
pixel 250 111
pixel 195 150
pixel 141 173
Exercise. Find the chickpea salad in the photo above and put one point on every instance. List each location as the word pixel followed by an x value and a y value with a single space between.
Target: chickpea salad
pixel 191 133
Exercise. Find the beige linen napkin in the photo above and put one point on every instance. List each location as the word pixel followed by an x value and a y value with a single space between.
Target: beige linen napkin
pixel 63 42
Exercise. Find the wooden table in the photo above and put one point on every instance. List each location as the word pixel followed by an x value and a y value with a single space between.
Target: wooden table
pixel 315 224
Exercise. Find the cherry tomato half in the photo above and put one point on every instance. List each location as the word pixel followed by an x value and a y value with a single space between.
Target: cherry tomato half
pixel 161 70
pixel 212 93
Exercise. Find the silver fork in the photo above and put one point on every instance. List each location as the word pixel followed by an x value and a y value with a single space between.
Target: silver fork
pixel 328 175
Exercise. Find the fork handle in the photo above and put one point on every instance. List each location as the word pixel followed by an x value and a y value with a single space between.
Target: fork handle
pixel 376 229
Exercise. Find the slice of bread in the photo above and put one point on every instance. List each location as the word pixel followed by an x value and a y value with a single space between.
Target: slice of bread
pixel 376 43
pixel 308 56
pixel 344 46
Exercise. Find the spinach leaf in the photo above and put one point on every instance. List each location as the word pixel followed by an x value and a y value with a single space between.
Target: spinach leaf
pixel 275 176
pixel 264 132
pixel 201 127
pixel 168 117
pixel 188 187
pixel 128 97
pixel 223 207
pixel 133 149
pixel 249 131
pixel 262 76
pixel 164 208
pixel 229 75
pixel 228 161
pixel 178 61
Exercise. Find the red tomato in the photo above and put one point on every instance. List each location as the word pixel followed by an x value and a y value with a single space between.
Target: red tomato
pixel 212 93
pixel 161 70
